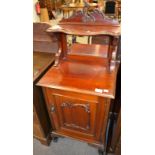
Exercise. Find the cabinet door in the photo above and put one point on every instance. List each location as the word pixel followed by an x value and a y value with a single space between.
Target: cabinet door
pixel 79 116
pixel 75 114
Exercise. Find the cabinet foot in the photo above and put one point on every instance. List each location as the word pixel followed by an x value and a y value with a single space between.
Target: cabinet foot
pixel 55 139
pixel 101 152
pixel 45 141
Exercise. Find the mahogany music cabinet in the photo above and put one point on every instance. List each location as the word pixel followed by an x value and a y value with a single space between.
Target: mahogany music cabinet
pixel 79 88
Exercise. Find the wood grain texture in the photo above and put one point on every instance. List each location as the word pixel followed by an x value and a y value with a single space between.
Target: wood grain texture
pixel 41 123
pixel 116 139
pixel 41 62
pixel 87 31
pixel 42 41
pixel 80 88
pixel 100 25
pixel 78 115
pixel 81 77
pixel 94 50
pixel 75 109
pixel 103 25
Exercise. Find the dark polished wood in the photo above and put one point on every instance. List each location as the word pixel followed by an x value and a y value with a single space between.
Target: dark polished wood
pixel 116 139
pixel 114 111
pixel 42 41
pixel 41 62
pixel 71 91
pixel 82 24
pixel 94 50
pixel 77 115
pixel 87 30
pixel 81 76
pixel 41 122
pixel 79 88
pixel 75 107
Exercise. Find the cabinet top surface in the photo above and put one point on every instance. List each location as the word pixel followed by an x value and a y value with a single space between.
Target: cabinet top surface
pixel 81 77
pixel 41 61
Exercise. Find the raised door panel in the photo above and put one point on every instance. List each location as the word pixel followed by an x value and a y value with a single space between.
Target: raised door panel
pixel 75 114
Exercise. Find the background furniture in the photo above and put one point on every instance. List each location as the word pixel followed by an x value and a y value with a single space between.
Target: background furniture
pixel 72 7
pixel 42 41
pixel 41 123
pixel 49 5
pixel 116 138
pixel 44 17
pixel 115 118
pixel 81 85
pixel 112 8
pixel 41 62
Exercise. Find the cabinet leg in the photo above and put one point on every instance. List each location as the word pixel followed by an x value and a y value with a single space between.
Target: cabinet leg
pixel 45 142
pixel 101 152
pixel 55 139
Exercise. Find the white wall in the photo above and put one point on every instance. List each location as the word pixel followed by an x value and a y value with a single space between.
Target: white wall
pixel 35 16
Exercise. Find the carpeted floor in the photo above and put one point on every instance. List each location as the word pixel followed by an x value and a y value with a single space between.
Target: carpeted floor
pixel 64 146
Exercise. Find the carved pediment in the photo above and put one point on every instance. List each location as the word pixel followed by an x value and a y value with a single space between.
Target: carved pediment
pixel 90 17
pixel 88 23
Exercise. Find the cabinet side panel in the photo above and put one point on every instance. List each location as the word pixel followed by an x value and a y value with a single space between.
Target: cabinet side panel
pixel 41 110
pixel 50 103
pixel 105 120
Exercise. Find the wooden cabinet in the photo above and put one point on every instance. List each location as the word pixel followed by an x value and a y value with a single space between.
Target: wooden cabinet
pixel 80 86
pixel 41 122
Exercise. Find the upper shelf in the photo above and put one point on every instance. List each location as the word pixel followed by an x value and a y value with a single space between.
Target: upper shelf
pixel 94 50
pixel 91 52
pixel 88 23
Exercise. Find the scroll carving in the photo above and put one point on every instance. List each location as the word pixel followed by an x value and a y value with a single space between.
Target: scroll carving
pixel 87 110
pixel 86 16
pixel 69 105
